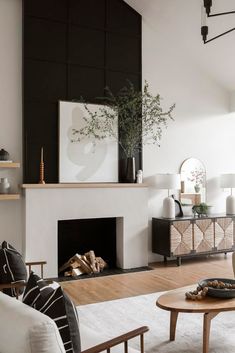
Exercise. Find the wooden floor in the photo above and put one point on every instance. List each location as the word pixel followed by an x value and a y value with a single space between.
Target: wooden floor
pixel 162 277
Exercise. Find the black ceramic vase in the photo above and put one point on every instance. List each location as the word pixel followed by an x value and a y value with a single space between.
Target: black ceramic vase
pixel 130 170
pixel 4 155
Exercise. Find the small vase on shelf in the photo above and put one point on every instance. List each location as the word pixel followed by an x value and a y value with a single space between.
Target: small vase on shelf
pixel 4 155
pixel 197 188
pixel 4 186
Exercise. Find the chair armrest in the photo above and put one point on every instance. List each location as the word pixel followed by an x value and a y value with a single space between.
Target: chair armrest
pixel 107 345
pixel 16 285
pixel 36 263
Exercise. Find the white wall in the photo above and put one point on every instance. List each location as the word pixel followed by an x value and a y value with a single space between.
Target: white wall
pixel 11 112
pixel 174 64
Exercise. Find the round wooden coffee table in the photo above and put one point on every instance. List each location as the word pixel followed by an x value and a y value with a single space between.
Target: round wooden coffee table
pixel 175 302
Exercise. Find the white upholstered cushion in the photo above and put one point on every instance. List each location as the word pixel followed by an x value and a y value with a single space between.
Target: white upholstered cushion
pixel 26 330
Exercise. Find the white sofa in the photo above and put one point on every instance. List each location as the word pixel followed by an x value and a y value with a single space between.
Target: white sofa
pixel 26 330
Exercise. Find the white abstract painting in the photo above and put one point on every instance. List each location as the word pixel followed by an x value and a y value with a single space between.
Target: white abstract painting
pixel 84 161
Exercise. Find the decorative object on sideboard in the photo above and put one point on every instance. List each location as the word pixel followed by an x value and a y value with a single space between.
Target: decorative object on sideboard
pixel 201 210
pixel 41 178
pixel 187 210
pixel 85 158
pixel 169 182
pixel 139 176
pixel 141 120
pixel 198 178
pixel 193 182
pixel 4 156
pixel 228 181
pixel 4 186
pixel 178 207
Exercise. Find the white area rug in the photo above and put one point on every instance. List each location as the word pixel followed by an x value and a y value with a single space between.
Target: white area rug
pixel 115 317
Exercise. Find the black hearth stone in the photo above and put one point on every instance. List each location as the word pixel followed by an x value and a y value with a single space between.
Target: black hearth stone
pixel 107 272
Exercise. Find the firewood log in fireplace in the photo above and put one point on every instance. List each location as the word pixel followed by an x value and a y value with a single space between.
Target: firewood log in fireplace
pixel 80 264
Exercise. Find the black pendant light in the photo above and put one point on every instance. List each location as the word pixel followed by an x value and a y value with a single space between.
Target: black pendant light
pixel 206 13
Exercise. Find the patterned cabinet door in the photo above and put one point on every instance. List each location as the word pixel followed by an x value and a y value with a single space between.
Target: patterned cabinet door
pixel 223 233
pixel 181 238
pixel 203 235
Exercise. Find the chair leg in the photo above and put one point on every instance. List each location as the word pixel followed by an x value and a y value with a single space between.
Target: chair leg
pixel 141 343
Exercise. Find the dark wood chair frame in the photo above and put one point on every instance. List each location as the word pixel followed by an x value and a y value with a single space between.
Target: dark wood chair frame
pixel 19 284
pixel 123 339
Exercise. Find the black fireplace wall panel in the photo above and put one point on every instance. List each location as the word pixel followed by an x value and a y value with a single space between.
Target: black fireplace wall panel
pixel 72 48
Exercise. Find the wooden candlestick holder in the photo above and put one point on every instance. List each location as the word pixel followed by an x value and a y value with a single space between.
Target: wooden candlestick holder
pixel 41 179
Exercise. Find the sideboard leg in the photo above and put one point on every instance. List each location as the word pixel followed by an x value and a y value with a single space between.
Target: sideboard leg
pixel 178 261
pixel 165 259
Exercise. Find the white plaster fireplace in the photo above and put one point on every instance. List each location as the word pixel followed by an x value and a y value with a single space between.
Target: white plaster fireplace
pixel 46 204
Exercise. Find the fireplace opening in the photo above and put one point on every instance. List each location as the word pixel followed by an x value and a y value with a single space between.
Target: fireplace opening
pixel 79 236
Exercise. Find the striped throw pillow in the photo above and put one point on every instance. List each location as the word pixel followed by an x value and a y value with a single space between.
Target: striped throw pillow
pixel 53 302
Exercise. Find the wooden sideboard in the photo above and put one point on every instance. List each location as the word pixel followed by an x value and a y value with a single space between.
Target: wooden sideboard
pixel 189 236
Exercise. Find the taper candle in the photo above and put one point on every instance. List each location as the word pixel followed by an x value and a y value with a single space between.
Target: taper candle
pixel 41 154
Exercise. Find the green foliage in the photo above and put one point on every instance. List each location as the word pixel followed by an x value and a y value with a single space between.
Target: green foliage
pixel 201 209
pixel 141 119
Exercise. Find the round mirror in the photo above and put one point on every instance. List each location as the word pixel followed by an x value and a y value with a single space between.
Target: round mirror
pixel 193 182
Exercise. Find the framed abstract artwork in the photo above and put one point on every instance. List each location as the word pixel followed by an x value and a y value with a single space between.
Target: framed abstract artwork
pixel 86 159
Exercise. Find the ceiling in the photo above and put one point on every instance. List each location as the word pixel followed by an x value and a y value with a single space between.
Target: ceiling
pixel 182 18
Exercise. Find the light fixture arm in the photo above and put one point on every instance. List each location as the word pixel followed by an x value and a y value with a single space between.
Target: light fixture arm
pixel 220 35
pixel 221 14
pixel 204 28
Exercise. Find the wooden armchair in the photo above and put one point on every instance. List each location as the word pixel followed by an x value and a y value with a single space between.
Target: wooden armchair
pixel 19 284
pixel 105 346
pixel 123 339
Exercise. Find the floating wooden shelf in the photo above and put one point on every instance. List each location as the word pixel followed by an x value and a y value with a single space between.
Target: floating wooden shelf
pixel 82 185
pixel 4 197
pixel 9 165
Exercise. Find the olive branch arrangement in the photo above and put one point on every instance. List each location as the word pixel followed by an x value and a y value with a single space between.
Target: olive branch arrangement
pixel 140 117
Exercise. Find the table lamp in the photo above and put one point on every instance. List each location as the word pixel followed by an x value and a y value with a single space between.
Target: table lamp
pixel 169 182
pixel 228 181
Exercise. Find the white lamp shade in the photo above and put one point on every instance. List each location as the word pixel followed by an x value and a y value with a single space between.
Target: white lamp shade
pixel 167 181
pixel 227 181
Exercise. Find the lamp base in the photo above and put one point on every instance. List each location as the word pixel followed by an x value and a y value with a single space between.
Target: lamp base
pixel 230 205
pixel 168 208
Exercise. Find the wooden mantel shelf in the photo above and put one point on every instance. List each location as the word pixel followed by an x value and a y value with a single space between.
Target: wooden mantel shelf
pixel 83 185
pixel 5 197
pixel 9 165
